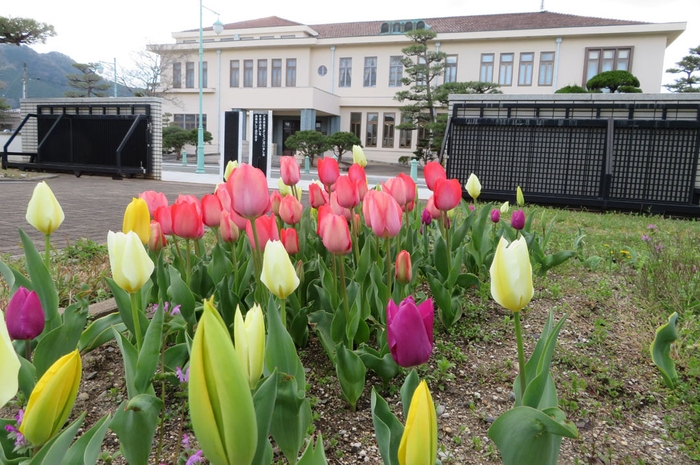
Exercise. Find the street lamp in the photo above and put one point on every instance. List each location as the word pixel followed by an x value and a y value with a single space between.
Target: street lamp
pixel 114 67
pixel 218 27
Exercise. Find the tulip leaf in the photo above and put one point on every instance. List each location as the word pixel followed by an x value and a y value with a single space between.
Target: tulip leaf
pixel 351 374
pixel 27 376
pixel 409 386
pixel 14 278
pixel 365 261
pixel 314 455
pixel 352 325
pixel 42 282
pixel 219 265
pixel 264 401
pixel 99 332
pixel 555 259
pixel 660 348
pixel 280 353
pixel 181 295
pixel 176 356
pixel 299 329
pixel 322 326
pixel 61 340
pixel 457 238
pixel 466 280
pixel 149 354
pixel 528 432
pixel 291 418
pixel 440 257
pixel 55 450
pixel 387 428
pixel 135 423
pixel 454 272
pixel 385 367
pixel 87 448
pixel 130 356
pixel 123 301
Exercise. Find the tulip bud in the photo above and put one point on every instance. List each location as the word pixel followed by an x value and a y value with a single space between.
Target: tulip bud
pixel 358 156
pixel 511 275
pixel 130 263
pixel 495 215
pixel 299 269
pixel 419 440
pixel 221 405
pixel 426 218
pixel 211 210
pixel 403 267
pixel 473 186
pixel 278 273
pixel 520 199
pixel 317 195
pixel 44 212
pixel 156 240
pixel 410 331
pixel 24 315
pixel 230 166
pixel 137 219
pixel 290 240
pixel 505 207
pixel 227 227
pixel 52 399
pixel 289 171
pixel 9 363
pixel 249 334
pixel 518 220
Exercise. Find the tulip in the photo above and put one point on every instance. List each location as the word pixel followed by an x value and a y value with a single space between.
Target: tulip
pixel 385 214
pixel 290 209
pixel 419 440
pixel 335 234
pixel 358 156
pixel 186 220
pixel 447 194
pixel 250 196
pixel 473 186
pixel 511 275
pixel 432 210
pixel 432 171
pixel 410 331
pixel 52 399
pixel 357 173
pixel 154 200
pixel 24 315
pixel 221 405
pixel 290 240
pixel 156 240
pixel 130 263
pixel 339 209
pixel 346 192
pixel 518 220
pixel 505 207
pixel 278 273
pixel 249 334
pixel 519 198
pixel 328 171
pixel 211 210
pixel 230 167
pixel 138 219
pixel 409 188
pixel 397 189
pixel 317 196
pixel 266 229
pixel 290 171
pixel 163 215
pixel 275 201
pixel 426 218
pixel 44 212
pixel 403 267
pixel 495 215
pixel 227 227
pixel 224 197
pixel 9 366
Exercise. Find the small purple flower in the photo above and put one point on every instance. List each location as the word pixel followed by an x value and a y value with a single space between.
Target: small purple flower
pixel 472 208
pixel 19 417
pixel 183 377
pixel 652 227
pixel 195 458
pixel 176 310
pixel 185 441
pixel 426 218
pixel 495 215
pixel 646 238
pixel 659 247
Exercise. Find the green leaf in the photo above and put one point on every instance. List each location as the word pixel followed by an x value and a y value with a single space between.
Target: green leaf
pixel 7 445
pixel 87 448
pixel 123 301
pixel 280 353
pixel 440 257
pixel 314 455
pixel 135 423
pixel 322 327
pixel 409 386
pixel 264 401
pixel 660 349
pixel 351 374
pixel 181 295
pixel 387 428
pixel 176 356
pixel 27 377
pixel 555 259
pixel 149 354
pixel 42 282
pixel 99 332
pixel 61 340
pixel 219 265
pixel 14 278
pixel 385 367
pixel 54 451
pixel 525 435
pixel 290 419
pixel 130 356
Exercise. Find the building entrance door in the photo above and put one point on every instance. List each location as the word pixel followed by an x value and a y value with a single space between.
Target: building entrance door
pixel 289 127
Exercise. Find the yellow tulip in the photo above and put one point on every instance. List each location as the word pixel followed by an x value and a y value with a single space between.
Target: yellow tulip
pixel 137 219
pixel 519 198
pixel 9 365
pixel 473 186
pixel 249 335
pixel 230 166
pixel 52 399
pixel 221 405
pixel 511 275
pixel 44 212
pixel 419 441
pixel 131 265
pixel 278 273
pixel 358 156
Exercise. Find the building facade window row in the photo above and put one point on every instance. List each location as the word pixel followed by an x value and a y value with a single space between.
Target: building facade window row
pixel 189 121
pixel 371 137
pixel 189 75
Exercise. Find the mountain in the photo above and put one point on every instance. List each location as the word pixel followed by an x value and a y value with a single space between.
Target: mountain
pixel 46 74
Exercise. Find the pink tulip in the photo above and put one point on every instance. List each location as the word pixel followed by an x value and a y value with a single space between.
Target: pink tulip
pixel 432 172
pixel 347 193
pixel 335 234
pixel 162 215
pixel 290 209
pixel 385 215
pixel 275 201
pixel 447 193
pixel 339 209
pixel 156 240
pixel 187 220
pixel 289 171
pixel 211 210
pixel 397 189
pixel 192 199
pixel 357 173
pixel 154 200
pixel 250 196
pixel 227 227
pixel 290 240
pixel 430 206
pixel 365 207
pixel 224 197
pixel 266 227
pixel 403 267
pixel 410 331
pixel 328 171
pixel 24 315
pixel 317 196
pixel 324 211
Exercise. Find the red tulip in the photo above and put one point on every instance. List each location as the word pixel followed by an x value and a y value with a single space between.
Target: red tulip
pixel 361 188
pixel 447 193
pixel 357 172
pixel 335 234
pixel 403 267
pixel 317 196
pixel 290 240
pixel 432 172
pixel 328 171
pixel 188 198
pixel 224 197
pixel 24 315
pixel 211 210
pixel 347 194
pixel 227 227
pixel 156 240
pixel 250 196
pixel 187 220
pixel 266 227
pixel 410 331
pixel 275 201
pixel 162 215
pixel 154 200
pixel 289 170
pixel 290 209
pixel 385 214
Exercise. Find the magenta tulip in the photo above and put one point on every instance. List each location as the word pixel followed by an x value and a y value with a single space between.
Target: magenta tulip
pixel 24 315
pixel 495 215
pixel 518 219
pixel 410 331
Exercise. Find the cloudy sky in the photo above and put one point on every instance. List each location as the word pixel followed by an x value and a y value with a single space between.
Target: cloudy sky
pixel 87 32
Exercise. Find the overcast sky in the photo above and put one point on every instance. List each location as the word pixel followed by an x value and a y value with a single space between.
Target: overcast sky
pixel 90 31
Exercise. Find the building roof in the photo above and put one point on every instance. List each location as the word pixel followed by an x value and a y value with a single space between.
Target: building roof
pixel 270 21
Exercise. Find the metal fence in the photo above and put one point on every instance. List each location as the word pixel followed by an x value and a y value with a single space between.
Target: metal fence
pixel 635 155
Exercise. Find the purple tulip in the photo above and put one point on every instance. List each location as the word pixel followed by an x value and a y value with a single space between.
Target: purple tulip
pixel 495 215
pixel 518 219
pixel 24 316
pixel 426 218
pixel 410 331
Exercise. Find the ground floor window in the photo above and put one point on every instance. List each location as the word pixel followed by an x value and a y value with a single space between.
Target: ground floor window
pixel 372 123
pixel 388 132
pixel 356 124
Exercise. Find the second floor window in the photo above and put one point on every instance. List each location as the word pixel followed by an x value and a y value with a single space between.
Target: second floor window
pixel 177 75
pixel 608 59
pixel 345 72
pixel 486 71
pixel 451 68
pixel 395 71
pixel 370 72
pixel 291 80
pixel 546 68
pixel 505 71
pixel 525 72
pixel 247 73
pixel 235 74
pixel 189 74
pixel 262 73
pixel 276 73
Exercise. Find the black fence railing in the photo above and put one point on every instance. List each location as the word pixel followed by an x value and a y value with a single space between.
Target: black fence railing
pixel 632 155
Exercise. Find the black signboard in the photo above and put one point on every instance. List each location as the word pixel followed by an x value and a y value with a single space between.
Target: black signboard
pixel 260 141
pixel 231 136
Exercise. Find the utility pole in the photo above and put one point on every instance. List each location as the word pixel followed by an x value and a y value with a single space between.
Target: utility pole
pixel 24 81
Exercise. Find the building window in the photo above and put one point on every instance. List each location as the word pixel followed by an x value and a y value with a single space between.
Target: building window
pixel 486 73
pixel 505 71
pixel 420 76
pixel 189 74
pixel 235 75
pixel 451 68
pixel 262 73
pixel 370 72
pixel 525 72
pixel 372 123
pixel 356 124
pixel 247 73
pixel 345 72
pixel 608 59
pixel 204 78
pixel 276 73
pixel 395 71
pixel 291 72
pixel 177 75
pixel 189 121
pixel 388 130
pixel 405 134
pixel 546 68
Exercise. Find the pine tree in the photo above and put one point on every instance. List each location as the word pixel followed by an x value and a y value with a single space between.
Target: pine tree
pixel 87 82
pixel 689 65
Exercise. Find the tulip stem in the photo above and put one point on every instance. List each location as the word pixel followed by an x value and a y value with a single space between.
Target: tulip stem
pixel 387 243
pixel 47 252
pixel 187 260
pixel 28 350
pixel 447 241
pixel 521 355
pixel 256 252
pixel 345 296
pixel 283 312
pixel 135 310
